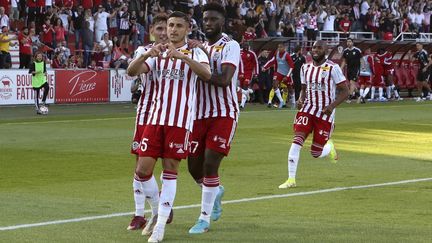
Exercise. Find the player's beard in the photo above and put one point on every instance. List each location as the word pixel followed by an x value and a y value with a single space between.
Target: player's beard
pixel 213 34
pixel 319 59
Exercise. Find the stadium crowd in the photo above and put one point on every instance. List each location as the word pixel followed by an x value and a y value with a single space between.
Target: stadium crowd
pixel 100 34
pixel 105 33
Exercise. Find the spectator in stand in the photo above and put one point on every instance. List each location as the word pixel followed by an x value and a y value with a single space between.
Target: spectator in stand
pixel 273 19
pixel 136 34
pixel 427 17
pixel 345 25
pixel 300 26
pixel 88 17
pixel 87 43
pixel 124 28
pixel 58 61
pixel 418 21
pixel 97 58
pixel 106 46
pixel 5 43
pixel 101 22
pixel 329 20
pixel 4 19
pixel 311 27
pixel 47 36
pixel 78 25
pixel 65 16
pixel 14 13
pixel 59 31
pixel 322 13
pixel 355 17
pixel 25 48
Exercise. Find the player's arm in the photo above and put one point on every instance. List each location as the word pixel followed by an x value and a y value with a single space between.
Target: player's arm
pixel 200 67
pixel 223 79
pixel 342 90
pixel 371 64
pixel 302 96
pixel 270 63
pixel 256 69
pixel 343 63
pixel 290 64
pixel 139 64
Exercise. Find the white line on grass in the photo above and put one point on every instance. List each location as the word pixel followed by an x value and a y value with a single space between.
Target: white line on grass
pixel 251 199
pixel 243 112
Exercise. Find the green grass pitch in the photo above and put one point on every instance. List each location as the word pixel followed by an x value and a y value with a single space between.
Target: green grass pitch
pixel 75 163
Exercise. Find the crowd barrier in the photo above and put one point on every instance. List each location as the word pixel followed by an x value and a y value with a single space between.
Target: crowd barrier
pixel 67 86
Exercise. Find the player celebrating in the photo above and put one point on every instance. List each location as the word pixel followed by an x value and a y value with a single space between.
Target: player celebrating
pixel 386 60
pixel 249 71
pixel 283 66
pixel 351 58
pixel 366 73
pixel 217 114
pixel 175 68
pixel 136 67
pixel 422 76
pixel 323 89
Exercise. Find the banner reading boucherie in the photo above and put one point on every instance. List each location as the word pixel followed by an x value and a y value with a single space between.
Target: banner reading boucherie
pixel 82 86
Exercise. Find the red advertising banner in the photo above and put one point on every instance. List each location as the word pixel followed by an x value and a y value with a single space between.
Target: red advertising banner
pixel 82 86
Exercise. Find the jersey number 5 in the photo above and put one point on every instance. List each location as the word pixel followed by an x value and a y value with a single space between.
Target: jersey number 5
pixel 143 146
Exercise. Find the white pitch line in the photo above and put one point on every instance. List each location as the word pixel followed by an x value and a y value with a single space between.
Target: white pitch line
pixel 251 199
pixel 243 112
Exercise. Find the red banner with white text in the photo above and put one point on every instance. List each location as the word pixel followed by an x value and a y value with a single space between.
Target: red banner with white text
pixel 82 86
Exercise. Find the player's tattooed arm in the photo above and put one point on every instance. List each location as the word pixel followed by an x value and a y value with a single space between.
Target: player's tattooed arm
pixel 342 93
pixel 223 79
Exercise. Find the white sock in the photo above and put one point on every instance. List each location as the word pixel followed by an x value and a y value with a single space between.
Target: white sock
pixel 243 100
pixel 372 93
pixel 395 92
pixel 278 95
pixel 388 91
pixel 151 191
pixel 365 92
pixel 380 92
pixel 292 99
pixel 293 159
pixel 139 197
pixel 210 190
pixel 326 150
pixel 167 196
pixel 361 92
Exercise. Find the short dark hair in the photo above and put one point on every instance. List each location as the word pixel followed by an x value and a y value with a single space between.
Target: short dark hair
pixel 159 18
pixel 297 48
pixel 350 39
pixel 178 14
pixel 214 6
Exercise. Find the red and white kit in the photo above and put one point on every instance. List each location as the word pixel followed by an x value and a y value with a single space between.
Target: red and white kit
pixel 172 109
pixel 366 70
pixel 321 84
pixel 378 79
pixel 386 60
pixel 143 107
pixel 282 63
pixel 217 107
pixel 248 66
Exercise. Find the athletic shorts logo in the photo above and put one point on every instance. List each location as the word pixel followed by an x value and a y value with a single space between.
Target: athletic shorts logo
pixel 135 145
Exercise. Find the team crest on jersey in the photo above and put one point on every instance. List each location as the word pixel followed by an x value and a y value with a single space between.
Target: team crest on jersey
pixel 216 56
pixel 218 48
pixel 324 73
pixel 186 52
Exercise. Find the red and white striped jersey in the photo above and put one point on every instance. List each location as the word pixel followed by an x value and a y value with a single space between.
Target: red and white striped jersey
pixel 147 86
pixel 320 84
pixel 213 101
pixel 174 97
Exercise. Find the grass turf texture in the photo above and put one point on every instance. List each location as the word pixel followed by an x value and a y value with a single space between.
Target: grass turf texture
pixel 75 162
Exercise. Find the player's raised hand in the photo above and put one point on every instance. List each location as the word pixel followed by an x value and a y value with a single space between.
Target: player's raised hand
pixel 157 50
pixel 173 53
pixel 328 110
